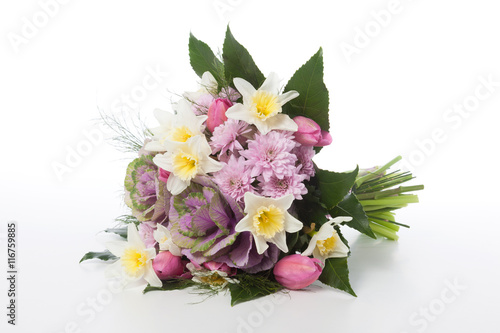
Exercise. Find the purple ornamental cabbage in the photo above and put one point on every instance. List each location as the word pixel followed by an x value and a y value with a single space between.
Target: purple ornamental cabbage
pixel 202 222
pixel 145 194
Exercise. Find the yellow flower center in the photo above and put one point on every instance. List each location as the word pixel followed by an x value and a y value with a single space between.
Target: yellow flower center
pixel 266 104
pixel 181 134
pixel 326 246
pixel 185 166
pixel 214 279
pixel 133 261
pixel 268 221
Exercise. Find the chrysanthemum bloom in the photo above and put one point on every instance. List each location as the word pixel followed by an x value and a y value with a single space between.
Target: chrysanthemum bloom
pixel 275 187
pixel 304 164
pixel 146 230
pixel 262 107
pixel 270 154
pixel 229 137
pixel 234 178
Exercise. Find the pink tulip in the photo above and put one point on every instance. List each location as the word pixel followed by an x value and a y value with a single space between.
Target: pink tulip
pixel 296 271
pixel 310 134
pixel 163 175
pixel 167 266
pixel 217 113
pixel 222 267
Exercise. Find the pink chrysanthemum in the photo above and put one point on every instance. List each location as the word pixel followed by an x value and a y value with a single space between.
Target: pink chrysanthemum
pixel 146 230
pixel 276 188
pixel 270 154
pixel 229 137
pixel 234 178
pixel 304 163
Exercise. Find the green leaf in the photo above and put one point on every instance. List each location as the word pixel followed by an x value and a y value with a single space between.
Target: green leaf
pixel 313 96
pixel 252 286
pixel 203 59
pixel 122 232
pixel 350 206
pixel 240 294
pixel 239 63
pixel 336 275
pixel 334 186
pixel 176 284
pixel 104 255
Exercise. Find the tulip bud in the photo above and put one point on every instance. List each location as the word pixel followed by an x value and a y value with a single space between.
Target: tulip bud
pixel 222 267
pixel 217 113
pixel 167 266
pixel 296 271
pixel 309 133
pixel 163 175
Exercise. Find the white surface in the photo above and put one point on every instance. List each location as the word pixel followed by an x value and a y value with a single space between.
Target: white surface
pixel 392 94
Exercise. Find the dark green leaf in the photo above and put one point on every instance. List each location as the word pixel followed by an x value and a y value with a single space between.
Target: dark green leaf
pixel 104 255
pixel 350 206
pixel 252 286
pixel 203 59
pixel 122 232
pixel 334 186
pixel 313 96
pixel 336 275
pixel 239 63
pixel 171 285
pixel 240 294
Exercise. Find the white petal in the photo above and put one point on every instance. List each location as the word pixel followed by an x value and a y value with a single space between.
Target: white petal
pixel 115 271
pixel 244 87
pixel 288 96
pixel 292 224
pixel 164 161
pixel 254 201
pixel 240 112
pixel 245 224
pixel 284 202
pixel 211 165
pixel 317 254
pixel 174 249
pixel 165 118
pixel 151 277
pixel 151 253
pixel 176 185
pixel 260 244
pixel 280 241
pixel 264 127
pixel 155 146
pixel 282 122
pixel 271 84
pixel 117 247
pixel 326 231
pixel 340 219
pixel 311 246
pixel 208 81
pixel 133 237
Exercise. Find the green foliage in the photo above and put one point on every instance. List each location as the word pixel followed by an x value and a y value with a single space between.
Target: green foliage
pixel 203 60
pixel 334 186
pixel 239 63
pixel 252 286
pixel 104 256
pixel 336 274
pixel 122 232
pixel 313 97
pixel 174 284
pixel 350 206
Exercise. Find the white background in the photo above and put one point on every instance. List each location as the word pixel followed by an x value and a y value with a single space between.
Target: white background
pixel 387 99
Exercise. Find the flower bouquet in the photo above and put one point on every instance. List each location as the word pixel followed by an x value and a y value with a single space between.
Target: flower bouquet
pixel 224 194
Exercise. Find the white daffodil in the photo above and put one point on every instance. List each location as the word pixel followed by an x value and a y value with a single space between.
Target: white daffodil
pixel 135 259
pixel 175 128
pixel 326 243
pixel 217 280
pixel 208 84
pixel 262 107
pixel 164 238
pixel 185 161
pixel 268 220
